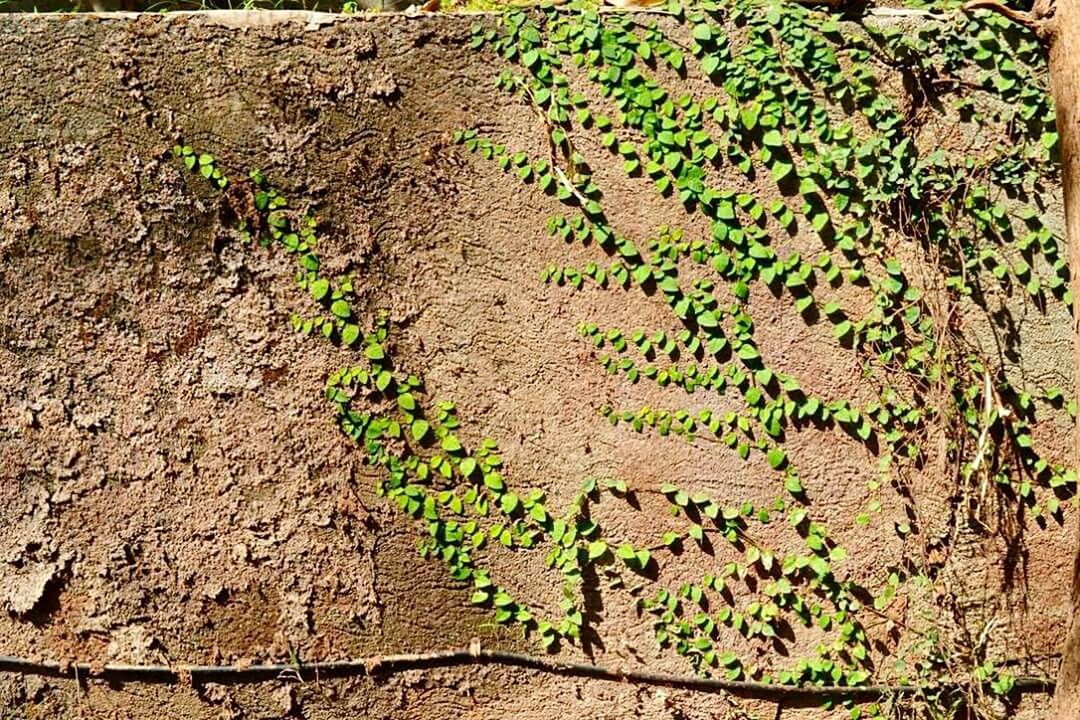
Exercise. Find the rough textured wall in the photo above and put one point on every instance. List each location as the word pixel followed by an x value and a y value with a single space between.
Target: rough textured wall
pixel 171 487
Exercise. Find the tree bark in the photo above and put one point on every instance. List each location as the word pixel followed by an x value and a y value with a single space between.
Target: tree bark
pixel 1064 59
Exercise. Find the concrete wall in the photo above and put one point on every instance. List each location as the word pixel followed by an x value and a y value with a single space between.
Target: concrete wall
pixel 171 485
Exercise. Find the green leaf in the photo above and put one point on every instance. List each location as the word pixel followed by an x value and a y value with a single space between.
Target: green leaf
pixel 748 352
pixel 467 467
pixel 793 485
pixel 864 430
pixel 320 288
pixel 341 309
pixel 450 444
pixel 597 548
pixel 508 503
pixel 781 169
pixel 383 379
pixel 708 320
pixel 772 138
pixel 777 458
pixel 749 115
pixel 350 334
pixel 494 481
pixel 419 429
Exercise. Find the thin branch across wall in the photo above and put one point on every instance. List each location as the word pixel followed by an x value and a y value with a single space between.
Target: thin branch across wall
pixel 385 665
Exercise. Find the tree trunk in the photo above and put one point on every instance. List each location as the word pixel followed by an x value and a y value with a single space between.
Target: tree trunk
pixel 1064 60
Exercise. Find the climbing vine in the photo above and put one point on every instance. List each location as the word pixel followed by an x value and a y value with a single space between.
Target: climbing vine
pixel 788 101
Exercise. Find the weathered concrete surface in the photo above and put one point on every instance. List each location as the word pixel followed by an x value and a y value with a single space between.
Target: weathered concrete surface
pixel 169 483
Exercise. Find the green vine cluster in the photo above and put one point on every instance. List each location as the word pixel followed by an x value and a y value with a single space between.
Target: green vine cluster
pixel 468 507
pixel 780 81
pixel 796 107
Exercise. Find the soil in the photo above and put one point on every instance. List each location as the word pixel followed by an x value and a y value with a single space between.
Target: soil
pixel 172 488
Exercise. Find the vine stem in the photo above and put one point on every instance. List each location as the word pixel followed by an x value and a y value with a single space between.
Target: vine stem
pixel 384 665
pixel 1040 19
